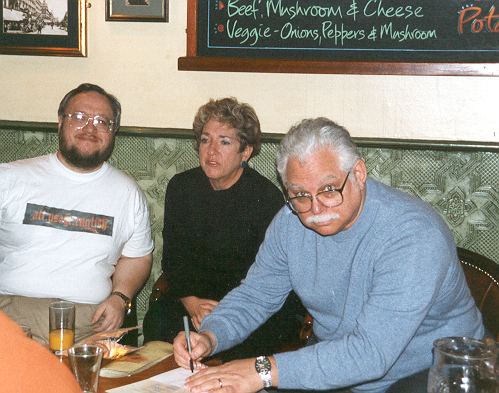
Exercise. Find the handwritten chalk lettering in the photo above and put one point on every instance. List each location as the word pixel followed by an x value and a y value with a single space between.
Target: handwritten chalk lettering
pixel 275 7
pixel 340 33
pixel 373 34
pixel 406 34
pixel 403 12
pixel 245 34
pixel 353 10
pixel 233 9
pixel 288 31
pixel 470 17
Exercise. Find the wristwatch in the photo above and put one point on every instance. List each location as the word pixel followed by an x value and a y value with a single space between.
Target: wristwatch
pixel 126 299
pixel 263 367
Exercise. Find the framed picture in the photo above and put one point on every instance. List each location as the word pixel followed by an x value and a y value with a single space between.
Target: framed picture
pixel 137 10
pixel 44 28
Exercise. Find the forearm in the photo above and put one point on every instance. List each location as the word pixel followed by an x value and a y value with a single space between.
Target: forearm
pixel 131 273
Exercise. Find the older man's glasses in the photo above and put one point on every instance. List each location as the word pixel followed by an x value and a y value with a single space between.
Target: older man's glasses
pixel 329 197
pixel 100 123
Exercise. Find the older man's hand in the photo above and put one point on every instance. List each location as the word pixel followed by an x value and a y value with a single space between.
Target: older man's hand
pixel 201 345
pixel 109 315
pixel 238 376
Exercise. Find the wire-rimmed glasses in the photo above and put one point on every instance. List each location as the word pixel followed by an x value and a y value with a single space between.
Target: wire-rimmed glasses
pixel 329 197
pixel 81 119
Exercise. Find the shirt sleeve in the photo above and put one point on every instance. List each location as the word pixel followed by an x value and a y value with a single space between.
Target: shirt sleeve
pixel 140 243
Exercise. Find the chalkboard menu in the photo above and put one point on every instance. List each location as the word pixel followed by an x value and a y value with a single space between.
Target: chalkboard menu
pixel 393 30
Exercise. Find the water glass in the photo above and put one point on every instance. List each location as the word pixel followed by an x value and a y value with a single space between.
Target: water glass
pixel 462 365
pixel 85 361
pixel 27 331
pixel 61 326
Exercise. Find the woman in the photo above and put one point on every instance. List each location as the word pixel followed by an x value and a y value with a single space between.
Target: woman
pixel 215 219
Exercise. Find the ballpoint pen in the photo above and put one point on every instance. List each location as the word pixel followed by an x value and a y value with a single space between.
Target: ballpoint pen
pixel 188 338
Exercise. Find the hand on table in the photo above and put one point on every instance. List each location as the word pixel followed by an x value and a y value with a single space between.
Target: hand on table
pixel 198 308
pixel 109 315
pixel 238 376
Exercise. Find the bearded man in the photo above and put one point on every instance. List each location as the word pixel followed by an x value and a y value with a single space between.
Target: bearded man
pixel 73 227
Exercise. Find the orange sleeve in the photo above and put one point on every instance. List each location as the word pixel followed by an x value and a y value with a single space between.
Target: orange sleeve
pixel 26 366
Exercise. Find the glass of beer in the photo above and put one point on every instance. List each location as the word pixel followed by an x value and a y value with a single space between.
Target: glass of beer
pixel 61 326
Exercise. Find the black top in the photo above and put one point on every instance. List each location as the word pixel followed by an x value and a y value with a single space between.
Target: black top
pixel 211 237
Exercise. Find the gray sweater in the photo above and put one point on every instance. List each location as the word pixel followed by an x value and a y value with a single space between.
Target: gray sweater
pixel 380 292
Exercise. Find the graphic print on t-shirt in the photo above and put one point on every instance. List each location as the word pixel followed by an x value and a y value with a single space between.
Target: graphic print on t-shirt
pixel 68 220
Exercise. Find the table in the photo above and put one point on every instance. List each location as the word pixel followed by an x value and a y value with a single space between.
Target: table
pixel 109 383
pixel 163 366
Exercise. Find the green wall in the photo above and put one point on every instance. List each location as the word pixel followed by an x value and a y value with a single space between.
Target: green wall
pixel 459 180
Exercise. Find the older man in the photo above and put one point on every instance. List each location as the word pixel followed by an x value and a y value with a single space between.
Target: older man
pixel 376 269
pixel 72 226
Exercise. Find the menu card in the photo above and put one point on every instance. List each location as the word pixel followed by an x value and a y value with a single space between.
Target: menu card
pixel 147 356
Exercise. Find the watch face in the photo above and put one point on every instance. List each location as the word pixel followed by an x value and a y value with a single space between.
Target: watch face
pixel 262 364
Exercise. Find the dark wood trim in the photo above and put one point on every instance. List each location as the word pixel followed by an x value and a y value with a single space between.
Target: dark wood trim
pixel 192 28
pixel 160 132
pixel 230 64
pixel 193 62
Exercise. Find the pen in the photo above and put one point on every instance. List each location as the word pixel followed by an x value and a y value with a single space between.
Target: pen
pixel 188 338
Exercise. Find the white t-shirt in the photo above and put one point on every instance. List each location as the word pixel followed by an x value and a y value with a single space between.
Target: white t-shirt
pixel 62 232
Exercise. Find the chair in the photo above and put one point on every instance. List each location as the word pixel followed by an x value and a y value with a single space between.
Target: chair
pixel 482 276
pixel 131 338
pixel 159 289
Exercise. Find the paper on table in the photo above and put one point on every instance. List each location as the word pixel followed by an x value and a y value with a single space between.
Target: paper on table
pixel 148 386
pixel 175 377
pixel 169 382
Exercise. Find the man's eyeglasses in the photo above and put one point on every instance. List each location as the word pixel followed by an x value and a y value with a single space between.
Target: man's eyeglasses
pixel 329 197
pixel 81 119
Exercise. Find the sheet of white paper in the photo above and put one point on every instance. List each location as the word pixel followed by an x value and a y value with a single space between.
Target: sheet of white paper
pixel 147 386
pixel 169 382
pixel 175 377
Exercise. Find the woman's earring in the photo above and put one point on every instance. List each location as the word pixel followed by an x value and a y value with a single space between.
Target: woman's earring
pixel 244 164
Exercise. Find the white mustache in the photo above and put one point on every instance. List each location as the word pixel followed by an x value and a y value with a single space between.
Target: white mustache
pixel 322 218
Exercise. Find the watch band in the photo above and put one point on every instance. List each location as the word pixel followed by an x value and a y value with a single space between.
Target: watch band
pixel 126 299
pixel 263 368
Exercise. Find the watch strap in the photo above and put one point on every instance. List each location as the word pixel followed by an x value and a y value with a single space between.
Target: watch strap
pixel 126 299
pixel 263 368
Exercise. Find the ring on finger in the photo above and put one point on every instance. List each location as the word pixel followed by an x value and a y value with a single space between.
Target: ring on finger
pixel 220 382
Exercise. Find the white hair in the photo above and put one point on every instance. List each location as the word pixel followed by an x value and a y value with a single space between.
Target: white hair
pixel 310 135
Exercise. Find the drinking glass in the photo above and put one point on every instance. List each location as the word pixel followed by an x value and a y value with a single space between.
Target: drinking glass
pixel 462 365
pixel 85 361
pixel 61 326
pixel 27 331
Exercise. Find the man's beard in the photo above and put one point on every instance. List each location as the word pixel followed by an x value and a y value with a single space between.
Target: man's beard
pixel 88 161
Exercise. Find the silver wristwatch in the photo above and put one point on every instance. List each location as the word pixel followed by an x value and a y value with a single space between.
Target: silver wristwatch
pixel 263 367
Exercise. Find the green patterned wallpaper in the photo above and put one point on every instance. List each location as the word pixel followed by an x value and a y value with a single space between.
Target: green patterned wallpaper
pixel 460 183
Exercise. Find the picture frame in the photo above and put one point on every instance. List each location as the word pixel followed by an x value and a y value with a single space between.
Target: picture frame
pixel 56 29
pixel 137 10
